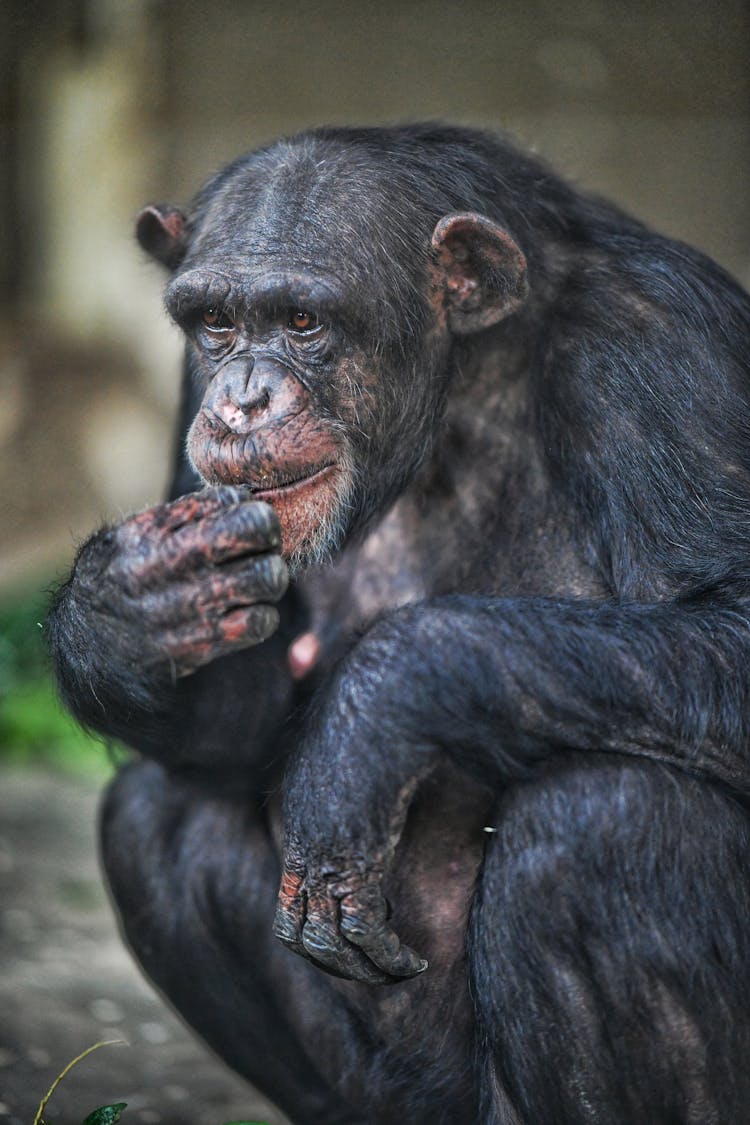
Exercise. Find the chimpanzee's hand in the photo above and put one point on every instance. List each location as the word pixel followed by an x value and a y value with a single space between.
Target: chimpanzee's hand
pixel 346 800
pixel 334 913
pixel 183 583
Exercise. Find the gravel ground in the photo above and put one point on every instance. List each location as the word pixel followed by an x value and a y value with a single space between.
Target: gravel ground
pixel 66 982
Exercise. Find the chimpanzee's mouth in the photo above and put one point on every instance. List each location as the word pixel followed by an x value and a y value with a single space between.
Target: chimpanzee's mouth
pixel 272 485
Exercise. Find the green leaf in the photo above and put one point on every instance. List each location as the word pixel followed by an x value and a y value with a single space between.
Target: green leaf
pixel 39 1119
pixel 105 1114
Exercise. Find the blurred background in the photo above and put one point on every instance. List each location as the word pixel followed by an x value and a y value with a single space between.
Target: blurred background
pixel 108 104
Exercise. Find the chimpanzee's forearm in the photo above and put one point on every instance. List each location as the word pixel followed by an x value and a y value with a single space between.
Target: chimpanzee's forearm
pixel 499 683
pixel 667 681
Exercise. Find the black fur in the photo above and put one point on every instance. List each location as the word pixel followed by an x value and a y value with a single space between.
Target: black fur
pixel 528 727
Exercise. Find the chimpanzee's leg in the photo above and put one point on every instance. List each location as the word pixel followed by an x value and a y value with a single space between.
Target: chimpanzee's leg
pixel 195 878
pixel 610 951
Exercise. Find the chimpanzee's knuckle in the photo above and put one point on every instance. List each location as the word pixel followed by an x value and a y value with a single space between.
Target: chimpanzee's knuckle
pixel 184 657
pixel 285 929
pixel 319 937
pixel 124 581
pixel 262 521
pixel 270 577
pixel 355 926
pixel 244 627
pixel 115 543
pixel 263 621
pixel 225 495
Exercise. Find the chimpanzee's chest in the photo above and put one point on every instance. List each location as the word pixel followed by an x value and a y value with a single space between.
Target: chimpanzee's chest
pixel 401 562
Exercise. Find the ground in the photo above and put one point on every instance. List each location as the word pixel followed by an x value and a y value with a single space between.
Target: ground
pixel 66 981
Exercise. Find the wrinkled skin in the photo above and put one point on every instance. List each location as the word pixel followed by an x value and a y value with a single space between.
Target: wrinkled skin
pixel 452 826
pixel 206 571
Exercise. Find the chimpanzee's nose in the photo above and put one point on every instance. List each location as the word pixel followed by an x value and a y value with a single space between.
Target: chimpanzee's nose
pixel 251 391
pixel 241 386
pixel 244 391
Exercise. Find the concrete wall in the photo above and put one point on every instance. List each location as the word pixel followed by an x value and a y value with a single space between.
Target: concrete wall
pixel 108 103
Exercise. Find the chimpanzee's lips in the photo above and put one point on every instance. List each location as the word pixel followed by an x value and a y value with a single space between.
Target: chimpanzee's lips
pixel 267 490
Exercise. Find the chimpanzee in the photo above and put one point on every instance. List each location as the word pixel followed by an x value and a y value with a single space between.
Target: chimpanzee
pixel 469 452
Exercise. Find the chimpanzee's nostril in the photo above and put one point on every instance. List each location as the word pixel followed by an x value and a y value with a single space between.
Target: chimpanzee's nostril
pixel 251 400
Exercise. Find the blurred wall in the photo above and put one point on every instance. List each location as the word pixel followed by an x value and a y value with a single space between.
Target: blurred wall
pixel 106 104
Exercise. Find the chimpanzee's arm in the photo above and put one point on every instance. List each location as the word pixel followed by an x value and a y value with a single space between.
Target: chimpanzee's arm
pixel 496 684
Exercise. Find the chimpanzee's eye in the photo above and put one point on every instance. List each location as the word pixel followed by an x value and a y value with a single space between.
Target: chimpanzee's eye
pixel 300 320
pixel 215 319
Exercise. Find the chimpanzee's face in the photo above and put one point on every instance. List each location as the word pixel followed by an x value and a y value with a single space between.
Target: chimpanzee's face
pixel 288 350
pixel 272 355
pixel 320 309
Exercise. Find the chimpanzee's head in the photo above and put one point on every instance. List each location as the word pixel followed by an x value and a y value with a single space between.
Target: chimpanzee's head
pixel 320 284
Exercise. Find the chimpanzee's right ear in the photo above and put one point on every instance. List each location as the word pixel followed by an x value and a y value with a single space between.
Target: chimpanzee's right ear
pixel 162 232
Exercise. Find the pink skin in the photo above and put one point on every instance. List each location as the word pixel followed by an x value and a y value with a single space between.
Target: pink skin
pixel 303 655
pixel 279 448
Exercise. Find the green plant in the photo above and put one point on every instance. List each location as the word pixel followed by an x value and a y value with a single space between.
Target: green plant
pixel 105 1114
pixel 34 727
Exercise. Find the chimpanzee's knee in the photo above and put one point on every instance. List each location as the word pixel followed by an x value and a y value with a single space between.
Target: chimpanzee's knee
pixel 176 850
pixel 193 872
pixel 609 953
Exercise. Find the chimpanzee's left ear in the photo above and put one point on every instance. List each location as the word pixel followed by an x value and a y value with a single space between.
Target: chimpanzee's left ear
pixel 482 271
pixel 162 232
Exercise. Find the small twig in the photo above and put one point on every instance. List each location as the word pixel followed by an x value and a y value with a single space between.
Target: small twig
pixel 69 1067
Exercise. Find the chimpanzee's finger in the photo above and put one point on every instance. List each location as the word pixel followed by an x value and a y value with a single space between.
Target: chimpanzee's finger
pixel 243 581
pixel 196 607
pixel 363 923
pixel 309 928
pixel 290 911
pixel 249 528
pixel 325 945
pixel 196 531
pixel 246 625
pixel 189 508
pixel 190 647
